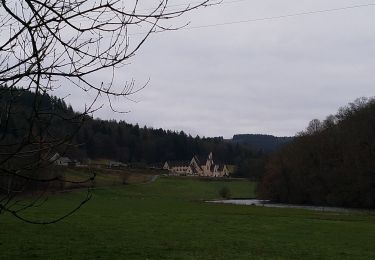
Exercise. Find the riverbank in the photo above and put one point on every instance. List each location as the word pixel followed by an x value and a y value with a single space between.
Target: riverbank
pixel 267 203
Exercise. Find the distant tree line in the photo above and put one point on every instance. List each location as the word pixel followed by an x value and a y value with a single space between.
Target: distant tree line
pixel 261 142
pixel 130 143
pixel 124 142
pixel 332 162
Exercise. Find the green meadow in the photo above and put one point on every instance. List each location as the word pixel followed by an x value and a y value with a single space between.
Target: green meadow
pixel 169 219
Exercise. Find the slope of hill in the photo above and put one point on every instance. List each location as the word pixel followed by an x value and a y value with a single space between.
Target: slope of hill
pixel 331 163
pixel 260 142
pixel 109 139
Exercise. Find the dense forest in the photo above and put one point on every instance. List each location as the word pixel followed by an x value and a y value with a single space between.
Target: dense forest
pixel 261 142
pixel 332 162
pixel 130 143
pixel 121 141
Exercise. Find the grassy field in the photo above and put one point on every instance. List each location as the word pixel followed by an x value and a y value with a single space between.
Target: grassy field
pixel 104 177
pixel 168 219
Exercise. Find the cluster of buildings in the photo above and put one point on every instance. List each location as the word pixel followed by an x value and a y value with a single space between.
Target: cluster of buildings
pixel 197 167
pixel 59 160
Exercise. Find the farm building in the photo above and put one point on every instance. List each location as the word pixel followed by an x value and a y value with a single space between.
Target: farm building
pixel 57 159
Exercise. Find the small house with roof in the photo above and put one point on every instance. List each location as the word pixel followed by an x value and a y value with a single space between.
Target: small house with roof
pixel 59 160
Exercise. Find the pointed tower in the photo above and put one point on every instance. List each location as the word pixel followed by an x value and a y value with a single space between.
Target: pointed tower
pixel 209 164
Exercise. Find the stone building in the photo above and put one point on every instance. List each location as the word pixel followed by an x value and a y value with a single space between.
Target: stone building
pixel 197 167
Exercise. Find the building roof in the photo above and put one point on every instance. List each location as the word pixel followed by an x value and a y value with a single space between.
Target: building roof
pixel 58 157
pixel 178 163
pixel 54 157
pixel 200 160
pixel 199 165
pixel 221 167
pixel 196 169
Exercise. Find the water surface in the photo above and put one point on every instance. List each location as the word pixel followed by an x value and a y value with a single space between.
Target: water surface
pixel 266 203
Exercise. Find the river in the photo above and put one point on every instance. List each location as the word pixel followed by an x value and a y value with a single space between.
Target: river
pixel 266 203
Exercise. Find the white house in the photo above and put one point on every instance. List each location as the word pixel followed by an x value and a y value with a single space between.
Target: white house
pixel 197 167
pixel 57 159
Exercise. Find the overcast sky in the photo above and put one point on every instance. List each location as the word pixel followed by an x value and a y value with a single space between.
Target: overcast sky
pixel 270 76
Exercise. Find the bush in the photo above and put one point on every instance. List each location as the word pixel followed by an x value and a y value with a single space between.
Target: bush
pixel 225 193
pixel 125 178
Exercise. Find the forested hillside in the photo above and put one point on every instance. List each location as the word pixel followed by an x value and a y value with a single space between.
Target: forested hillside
pixel 331 163
pixel 260 142
pixel 130 143
pixel 109 139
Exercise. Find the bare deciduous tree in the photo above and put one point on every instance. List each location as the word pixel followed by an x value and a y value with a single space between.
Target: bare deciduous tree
pixel 48 44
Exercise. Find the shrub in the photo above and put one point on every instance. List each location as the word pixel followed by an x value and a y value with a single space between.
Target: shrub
pixel 225 193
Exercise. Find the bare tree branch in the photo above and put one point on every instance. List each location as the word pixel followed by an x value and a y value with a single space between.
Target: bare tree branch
pixel 46 44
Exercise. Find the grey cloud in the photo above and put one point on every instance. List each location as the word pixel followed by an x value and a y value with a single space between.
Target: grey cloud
pixel 262 77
